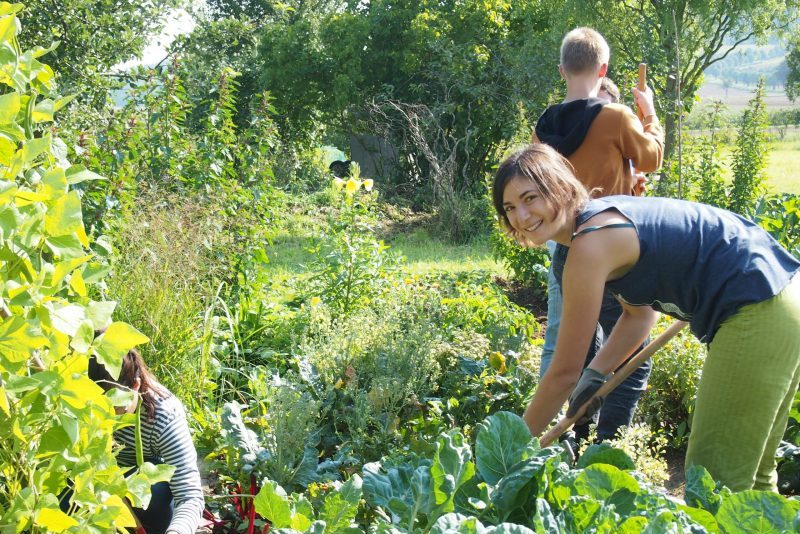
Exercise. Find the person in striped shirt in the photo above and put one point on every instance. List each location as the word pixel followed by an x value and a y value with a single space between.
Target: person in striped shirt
pixel 177 506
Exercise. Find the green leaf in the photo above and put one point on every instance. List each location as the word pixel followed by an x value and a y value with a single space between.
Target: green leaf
pixel 272 504
pixel 53 519
pixel 78 173
pixel 67 318
pixel 64 216
pixel 518 489
pixel 754 511
pixel 55 182
pixel 99 313
pixel 700 489
pixel 602 481
pixel 341 505
pixel 65 246
pixel 44 110
pixel 34 148
pixel 603 453
pixel 9 108
pixel 457 524
pixel 115 343
pixel 18 339
pixel 54 441
pixel 140 482
pixel 451 468
pixel 405 490
pixel 8 27
pixel 503 441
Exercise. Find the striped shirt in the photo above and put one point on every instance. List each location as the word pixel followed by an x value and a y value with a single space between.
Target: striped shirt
pixel 166 439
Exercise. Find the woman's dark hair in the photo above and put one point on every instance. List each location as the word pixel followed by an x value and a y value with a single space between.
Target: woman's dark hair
pixel 550 171
pixel 133 367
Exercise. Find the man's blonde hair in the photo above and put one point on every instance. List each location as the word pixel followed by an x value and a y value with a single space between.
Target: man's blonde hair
pixel 583 50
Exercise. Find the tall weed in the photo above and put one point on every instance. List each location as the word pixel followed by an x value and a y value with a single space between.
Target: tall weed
pixel 750 154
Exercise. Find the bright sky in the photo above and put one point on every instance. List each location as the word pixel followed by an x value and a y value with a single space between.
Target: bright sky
pixel 178 22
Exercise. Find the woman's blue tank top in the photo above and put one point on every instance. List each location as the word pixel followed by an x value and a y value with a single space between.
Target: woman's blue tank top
pixel 696 263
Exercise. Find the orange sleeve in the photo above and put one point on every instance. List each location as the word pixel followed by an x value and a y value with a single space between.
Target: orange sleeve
pixel 642 144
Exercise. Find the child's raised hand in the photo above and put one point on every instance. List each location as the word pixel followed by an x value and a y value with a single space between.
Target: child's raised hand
pixel 644 101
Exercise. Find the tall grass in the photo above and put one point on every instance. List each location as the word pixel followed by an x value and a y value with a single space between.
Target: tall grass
pixel 166 282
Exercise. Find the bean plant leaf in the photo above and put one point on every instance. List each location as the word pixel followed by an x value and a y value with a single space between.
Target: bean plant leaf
pixel 54 520
pixel 64 216
pixel 78 173
pixel 18 338
pixel 140 482
pixel 115 343
pixel 9 107
pixel 756 511
pixel 503 441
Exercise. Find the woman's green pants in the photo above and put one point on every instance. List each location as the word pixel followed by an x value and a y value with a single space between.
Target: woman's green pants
pixel 749 380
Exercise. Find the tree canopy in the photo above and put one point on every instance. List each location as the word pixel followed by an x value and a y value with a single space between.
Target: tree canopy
pixel 93 35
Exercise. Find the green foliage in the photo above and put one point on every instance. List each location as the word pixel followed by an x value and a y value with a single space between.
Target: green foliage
pixel 667 404
pixel 789 453
pixel 468 63
pixel 93 36
pixel 351 267
pixel 780 216
pixel 750 154
pixel 702 33
pixel 703 170
pixel 793 64
pixel 528 265
pixel 295 512
pixel 646 450
pixel 56 423
pixel 518 487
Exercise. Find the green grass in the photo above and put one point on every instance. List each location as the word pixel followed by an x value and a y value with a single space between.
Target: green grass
pixel 422 249
pixel 782 173
pixel 783 165
pixel 425 253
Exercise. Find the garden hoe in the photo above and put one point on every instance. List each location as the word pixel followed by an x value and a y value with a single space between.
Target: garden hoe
pixel 616 379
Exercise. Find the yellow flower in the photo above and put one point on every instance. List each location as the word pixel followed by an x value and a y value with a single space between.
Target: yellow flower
pixel 352 186
pixel 315 301
pixel 498 362
pixel 368 183
pixel 338 183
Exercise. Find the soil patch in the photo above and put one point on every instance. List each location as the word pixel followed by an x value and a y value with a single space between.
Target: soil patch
pixel 525 297
pixel 676 483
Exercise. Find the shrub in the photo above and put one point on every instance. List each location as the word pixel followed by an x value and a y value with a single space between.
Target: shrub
pixel 667 405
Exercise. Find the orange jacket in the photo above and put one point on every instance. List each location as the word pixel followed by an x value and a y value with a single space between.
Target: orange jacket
pixel 614 139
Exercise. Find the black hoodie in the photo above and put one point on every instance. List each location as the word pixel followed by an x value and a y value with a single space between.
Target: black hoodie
pixel 564 126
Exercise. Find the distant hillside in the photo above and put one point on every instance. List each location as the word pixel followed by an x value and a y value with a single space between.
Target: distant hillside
pixel 733 79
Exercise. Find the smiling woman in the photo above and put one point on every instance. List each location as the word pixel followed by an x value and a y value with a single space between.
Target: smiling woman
pixel 533 208
pixel 725 275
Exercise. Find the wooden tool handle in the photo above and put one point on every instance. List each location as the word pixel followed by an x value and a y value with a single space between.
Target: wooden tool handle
pixel 641 85
pixel 616 379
